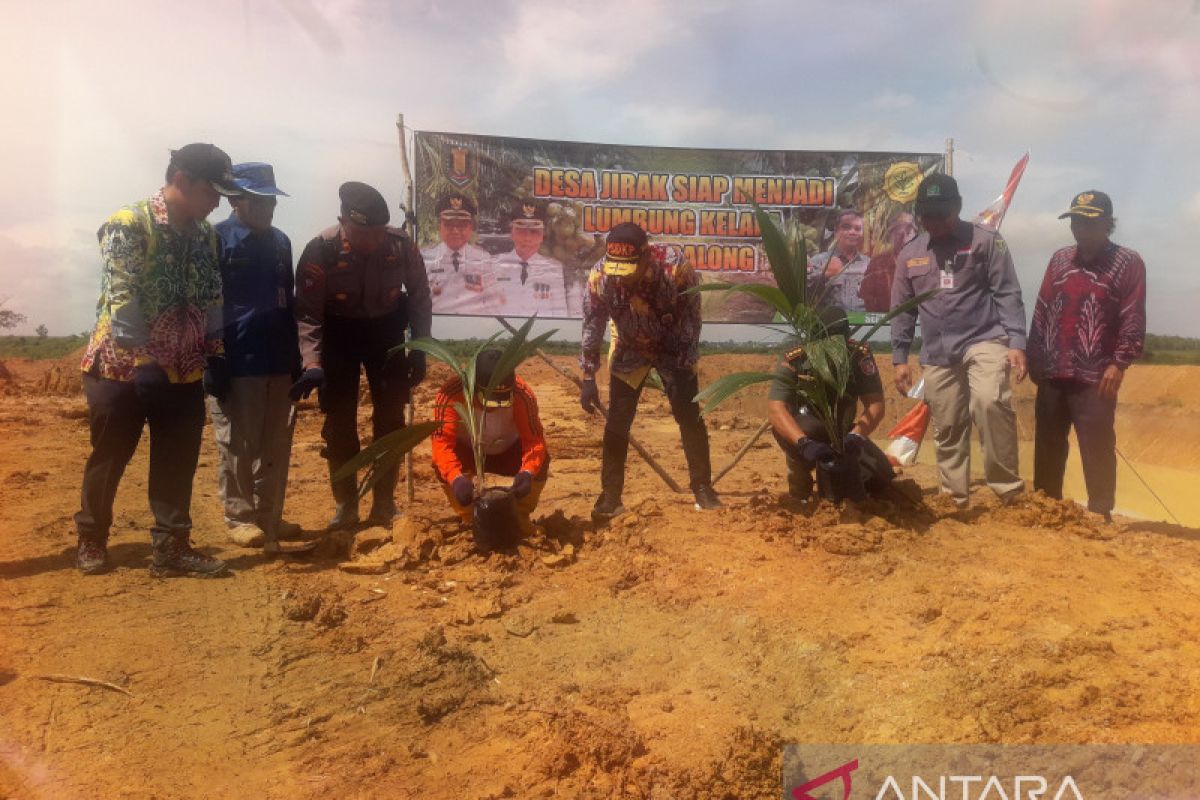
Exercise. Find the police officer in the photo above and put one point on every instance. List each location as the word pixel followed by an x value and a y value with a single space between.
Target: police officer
pixel 359 285
pixel 805 439
pixel 528 282
pixel 461 276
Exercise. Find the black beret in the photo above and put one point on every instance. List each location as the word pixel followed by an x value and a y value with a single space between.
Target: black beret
pixel 363 204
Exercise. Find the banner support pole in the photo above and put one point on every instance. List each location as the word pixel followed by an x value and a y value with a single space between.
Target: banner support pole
pixel 637 446
pixel 742 453
pixel 410 220
pixel 950 156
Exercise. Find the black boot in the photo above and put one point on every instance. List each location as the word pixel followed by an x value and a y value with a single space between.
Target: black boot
pixel 383 512
pixel 345 494
pixel 174 555
pixel 345 516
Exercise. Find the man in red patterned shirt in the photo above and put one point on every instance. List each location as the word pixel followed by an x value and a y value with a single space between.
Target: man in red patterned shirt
pixel 641 288
pixel 1089 325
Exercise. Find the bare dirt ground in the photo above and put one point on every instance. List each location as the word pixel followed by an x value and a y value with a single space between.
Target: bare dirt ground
pixel 669 655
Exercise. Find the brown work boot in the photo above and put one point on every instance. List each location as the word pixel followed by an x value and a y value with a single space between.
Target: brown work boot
pixel 176 556
pixel 91 557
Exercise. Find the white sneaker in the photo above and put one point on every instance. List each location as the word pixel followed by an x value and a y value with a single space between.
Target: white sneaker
pixel 247 535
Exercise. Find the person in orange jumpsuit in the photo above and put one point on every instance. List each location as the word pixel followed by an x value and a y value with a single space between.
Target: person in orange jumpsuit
pixel 514 443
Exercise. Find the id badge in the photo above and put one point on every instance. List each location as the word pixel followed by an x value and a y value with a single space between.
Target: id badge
pixel 947 280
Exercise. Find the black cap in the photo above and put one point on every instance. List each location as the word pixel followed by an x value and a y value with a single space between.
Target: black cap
pixel 623 248
pixel 1092 204
pixel 937 192
pixel 208 162
pixel 835 321
pixel 363 204
pixel 501 394
pixel 455 205
pixel 528 214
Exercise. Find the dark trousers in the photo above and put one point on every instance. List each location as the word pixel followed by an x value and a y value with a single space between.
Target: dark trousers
pixel 350 346
pixel 1059 405
pixel 117 412
pixel 681 386
pixel 877 472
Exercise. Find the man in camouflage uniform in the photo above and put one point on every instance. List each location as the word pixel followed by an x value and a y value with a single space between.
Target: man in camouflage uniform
pixel 641 288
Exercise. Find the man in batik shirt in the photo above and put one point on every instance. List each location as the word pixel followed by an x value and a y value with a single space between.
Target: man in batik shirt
pixel 641 288
pixel 1089 325
pixel 157 341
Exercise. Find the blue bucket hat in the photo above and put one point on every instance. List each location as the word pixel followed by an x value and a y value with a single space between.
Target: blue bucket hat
pixel 256 177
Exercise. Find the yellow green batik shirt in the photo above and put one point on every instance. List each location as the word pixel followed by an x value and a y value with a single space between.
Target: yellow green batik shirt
pixel 160 296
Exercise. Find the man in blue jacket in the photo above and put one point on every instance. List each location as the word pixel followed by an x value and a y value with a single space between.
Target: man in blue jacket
pixel 252 417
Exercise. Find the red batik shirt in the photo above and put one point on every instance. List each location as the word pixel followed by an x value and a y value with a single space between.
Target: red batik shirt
pixel 1088 316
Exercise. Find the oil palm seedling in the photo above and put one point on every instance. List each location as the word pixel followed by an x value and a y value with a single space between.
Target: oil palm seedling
pixel 797 317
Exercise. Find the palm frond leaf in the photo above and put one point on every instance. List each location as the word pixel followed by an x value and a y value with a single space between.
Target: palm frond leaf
pixel 384 452
pixel 726 386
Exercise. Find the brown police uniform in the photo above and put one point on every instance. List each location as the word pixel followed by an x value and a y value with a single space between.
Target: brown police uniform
pixel 351 310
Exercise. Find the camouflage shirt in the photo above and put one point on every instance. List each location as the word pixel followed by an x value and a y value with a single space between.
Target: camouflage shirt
pixel 657 324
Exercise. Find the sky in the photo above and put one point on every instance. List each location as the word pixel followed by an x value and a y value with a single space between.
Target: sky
pixel 1104 94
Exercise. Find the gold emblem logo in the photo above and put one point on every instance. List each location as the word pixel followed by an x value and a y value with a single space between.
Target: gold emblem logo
pixel 1085 199
pixel 456 203
pixel 901 181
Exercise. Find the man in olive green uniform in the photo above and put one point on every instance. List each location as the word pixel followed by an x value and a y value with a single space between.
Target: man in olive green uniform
pixel 359 285
pixel 805 439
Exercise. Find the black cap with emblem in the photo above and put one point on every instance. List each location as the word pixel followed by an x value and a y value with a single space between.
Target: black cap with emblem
pixel 528 214
pixel 455 205
pixel 363 204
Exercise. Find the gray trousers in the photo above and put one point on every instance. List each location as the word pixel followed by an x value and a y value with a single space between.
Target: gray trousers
pixel 253 428
pixel 975 390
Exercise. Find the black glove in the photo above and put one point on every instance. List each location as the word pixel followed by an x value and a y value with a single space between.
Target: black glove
pixel 589 395
pixel 852 443
pixel 313 378
pixel 145 375
pixel 415 366
pixel 464 490
pixel 522 483
pixel 815 452
pixel 216 378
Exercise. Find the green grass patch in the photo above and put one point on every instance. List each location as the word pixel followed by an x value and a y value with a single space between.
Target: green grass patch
pixel 39 346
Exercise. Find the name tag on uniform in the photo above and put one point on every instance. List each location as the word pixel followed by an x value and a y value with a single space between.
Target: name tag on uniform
pixel 947 281
pixel 923 261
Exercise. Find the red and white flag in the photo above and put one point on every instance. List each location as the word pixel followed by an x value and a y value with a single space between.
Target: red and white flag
pixel 993 215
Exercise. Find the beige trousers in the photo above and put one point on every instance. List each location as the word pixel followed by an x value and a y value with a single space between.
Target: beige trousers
pixel 976 389
pixel 253 428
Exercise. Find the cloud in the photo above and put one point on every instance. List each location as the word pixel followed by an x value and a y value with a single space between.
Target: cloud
pixel 47 284
pixel 890 100
pixel 1193 208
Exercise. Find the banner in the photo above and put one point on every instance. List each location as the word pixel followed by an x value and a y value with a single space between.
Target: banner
pixel 510 227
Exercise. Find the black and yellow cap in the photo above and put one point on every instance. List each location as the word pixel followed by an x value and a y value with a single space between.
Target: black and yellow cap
pixel 623 249
pixel 1092 204
pixel 501 394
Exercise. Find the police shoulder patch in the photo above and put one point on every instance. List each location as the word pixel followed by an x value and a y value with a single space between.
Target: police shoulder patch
pixel 794 353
